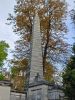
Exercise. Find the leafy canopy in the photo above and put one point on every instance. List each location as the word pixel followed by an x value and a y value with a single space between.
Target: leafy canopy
pixel 3 52
pixel 51 14
pixel 53 27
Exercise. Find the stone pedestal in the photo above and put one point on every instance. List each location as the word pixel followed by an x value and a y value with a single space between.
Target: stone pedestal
pixel 41 89
pixel 38 93
pixel 38 89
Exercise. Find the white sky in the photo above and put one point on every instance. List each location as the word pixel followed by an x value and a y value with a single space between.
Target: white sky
pixel 6 32
pixel 70 26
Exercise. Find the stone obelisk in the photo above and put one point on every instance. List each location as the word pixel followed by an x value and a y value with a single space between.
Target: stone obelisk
pixel 38 88
pixel 36 56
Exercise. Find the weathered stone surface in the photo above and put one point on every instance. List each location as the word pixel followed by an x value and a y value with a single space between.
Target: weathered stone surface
pixel 4 93
pixel 17 96
pixel 38 92
pixel 5 90
pixel 36 57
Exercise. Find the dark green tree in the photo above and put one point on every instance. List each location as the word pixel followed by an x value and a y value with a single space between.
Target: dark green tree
pixel 69 77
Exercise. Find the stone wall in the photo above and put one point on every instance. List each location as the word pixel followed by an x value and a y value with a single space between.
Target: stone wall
pixel 41 91
pixel 55 93
pixel 4 93
pixel 17 96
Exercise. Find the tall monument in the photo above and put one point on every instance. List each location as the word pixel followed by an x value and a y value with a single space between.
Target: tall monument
pixel 38 88
pixel 36 81
pixel 36 56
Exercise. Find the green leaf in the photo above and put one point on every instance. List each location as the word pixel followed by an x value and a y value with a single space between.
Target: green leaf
pixel 3 52
pixel 1 77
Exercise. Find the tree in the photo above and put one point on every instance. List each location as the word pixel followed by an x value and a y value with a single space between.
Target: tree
pixel 3 55
pixel 51 15
pixel 69 72
pixel 1 77
pixel 49 71
pixel 69 77
pixel 3 52
pixel 18 77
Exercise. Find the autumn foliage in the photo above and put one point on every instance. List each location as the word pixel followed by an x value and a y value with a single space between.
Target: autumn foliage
pixel 51 14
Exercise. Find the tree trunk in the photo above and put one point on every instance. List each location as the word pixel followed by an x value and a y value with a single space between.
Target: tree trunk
pixel 45 51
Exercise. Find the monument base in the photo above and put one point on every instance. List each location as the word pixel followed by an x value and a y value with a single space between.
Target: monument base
pixel 40 89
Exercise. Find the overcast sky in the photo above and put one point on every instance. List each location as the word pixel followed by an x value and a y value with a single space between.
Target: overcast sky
pixel 6 32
